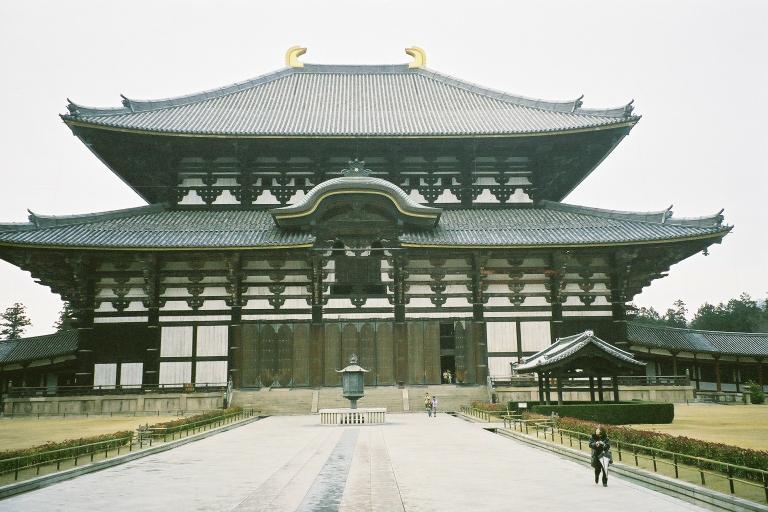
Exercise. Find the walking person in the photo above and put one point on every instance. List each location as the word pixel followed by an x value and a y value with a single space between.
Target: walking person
pixel 434 406
pixel 428 404
pixel 601 453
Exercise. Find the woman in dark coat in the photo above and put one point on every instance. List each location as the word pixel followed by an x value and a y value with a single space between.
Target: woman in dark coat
pixel 601 446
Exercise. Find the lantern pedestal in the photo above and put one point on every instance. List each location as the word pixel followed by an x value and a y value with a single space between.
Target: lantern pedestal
pixel 363 416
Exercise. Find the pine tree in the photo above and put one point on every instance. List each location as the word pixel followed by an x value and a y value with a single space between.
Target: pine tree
pixel 13 322
pixel 66 315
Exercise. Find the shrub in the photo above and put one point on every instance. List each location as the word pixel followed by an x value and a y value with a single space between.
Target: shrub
pixel 757 459
pixel 489 407
pixel 41 453
pixel 756 393
pixel 194 419
pixel 613 413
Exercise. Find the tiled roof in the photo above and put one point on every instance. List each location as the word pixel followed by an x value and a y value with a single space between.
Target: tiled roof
pixel 39 347
pixel 330 100
pixel 569 346
pixel 153 227
pixel 550 224
pixel 692 340
pixel 557 224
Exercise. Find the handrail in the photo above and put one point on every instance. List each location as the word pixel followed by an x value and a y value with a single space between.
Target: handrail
pixel 29 391
pixel 50 457
pixel 527 380
pixel 752 476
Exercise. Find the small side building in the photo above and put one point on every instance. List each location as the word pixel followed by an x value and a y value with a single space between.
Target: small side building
pixel 714 361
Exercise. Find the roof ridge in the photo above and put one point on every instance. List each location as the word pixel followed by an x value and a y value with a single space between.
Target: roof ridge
pixel 688 329
pixel 563 106
pixel 651 217
pixel 48 221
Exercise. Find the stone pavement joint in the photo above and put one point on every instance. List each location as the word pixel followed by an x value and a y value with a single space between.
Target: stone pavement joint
pixel 328 487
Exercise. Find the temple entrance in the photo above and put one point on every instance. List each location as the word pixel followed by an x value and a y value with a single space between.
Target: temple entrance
pixel 448 353
pixel 448 369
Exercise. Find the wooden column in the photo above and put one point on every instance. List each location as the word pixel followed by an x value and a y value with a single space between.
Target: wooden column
pixel 696 371
pixel 674 364
pixel 547 388
pixel 555 300
pixel 236 355
pixel 591 389
pixel 478 322
pixel 559 390
pixel 316 354
pixel 541 388
pixel 760 372
pixel 600 388
pixel 399 329
pixel 615 382
pixel 316 329
pixel 736 376
pixel 718 379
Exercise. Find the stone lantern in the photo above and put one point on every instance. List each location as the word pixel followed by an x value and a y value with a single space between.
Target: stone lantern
pixel 352 381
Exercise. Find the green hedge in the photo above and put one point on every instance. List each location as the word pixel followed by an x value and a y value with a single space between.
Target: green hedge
pixel 612 413
pixel 181 422
pixel 489 407
pixel 757 459
pixel 73 447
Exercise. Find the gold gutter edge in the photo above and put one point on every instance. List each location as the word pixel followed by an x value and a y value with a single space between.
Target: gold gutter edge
pixel 353 191
pixel 719 234
pixel 97 126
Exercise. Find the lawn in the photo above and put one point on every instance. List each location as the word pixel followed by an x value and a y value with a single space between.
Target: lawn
pixel 738 425
pixel 24 432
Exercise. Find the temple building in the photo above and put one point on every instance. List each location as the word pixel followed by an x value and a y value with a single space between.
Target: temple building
pixel 391 211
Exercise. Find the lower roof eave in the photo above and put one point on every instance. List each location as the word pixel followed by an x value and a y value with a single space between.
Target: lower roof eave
pixel 72 123
pixel 713 236
pixel 153 249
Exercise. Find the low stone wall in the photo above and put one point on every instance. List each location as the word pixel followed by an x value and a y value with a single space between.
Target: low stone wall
pixel 114 404
pixel 672 394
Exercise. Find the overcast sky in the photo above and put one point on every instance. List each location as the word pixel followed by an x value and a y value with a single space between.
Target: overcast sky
pixel 697 71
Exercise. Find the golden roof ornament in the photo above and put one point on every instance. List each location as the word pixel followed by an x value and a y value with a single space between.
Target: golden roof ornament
pixel 419 57
pixel 292 56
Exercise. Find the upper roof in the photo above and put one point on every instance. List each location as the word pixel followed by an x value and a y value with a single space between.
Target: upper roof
pixel 549 224
pixel 39 347
pixel 693 340
pixel 349 101
pixel 569 347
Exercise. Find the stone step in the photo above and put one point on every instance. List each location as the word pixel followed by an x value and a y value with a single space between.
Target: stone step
pixel 285 401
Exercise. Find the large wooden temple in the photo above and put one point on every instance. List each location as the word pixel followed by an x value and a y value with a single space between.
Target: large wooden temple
pixel 391 211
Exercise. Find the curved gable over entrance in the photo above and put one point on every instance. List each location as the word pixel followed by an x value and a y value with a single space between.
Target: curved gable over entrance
pixel 358 198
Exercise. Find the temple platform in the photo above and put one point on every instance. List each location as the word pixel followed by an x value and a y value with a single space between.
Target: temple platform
pixel 280 401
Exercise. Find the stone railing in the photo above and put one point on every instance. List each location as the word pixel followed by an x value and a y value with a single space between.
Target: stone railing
pixel 369 416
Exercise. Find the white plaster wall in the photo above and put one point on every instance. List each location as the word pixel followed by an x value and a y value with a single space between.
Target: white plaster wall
pixel 212 340
pixel 176 341
pixel 535 336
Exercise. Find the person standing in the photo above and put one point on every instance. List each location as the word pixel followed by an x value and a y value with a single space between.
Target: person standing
pixel 601 454
pixel 434 406
pixel 428 404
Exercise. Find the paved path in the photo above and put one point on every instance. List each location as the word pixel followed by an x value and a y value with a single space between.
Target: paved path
pixel 413 463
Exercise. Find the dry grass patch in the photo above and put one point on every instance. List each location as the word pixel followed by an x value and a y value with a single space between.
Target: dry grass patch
pixel 737 425
pixel 23 432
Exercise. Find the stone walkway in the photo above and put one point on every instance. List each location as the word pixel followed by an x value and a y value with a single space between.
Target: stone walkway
pixel 291 463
